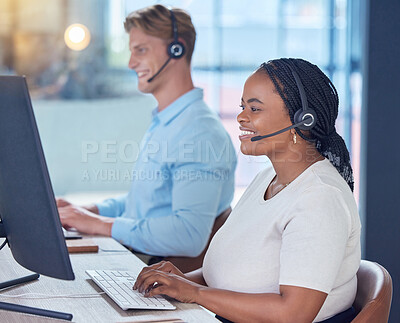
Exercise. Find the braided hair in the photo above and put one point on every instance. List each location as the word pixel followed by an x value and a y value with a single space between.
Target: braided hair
pixel 323 98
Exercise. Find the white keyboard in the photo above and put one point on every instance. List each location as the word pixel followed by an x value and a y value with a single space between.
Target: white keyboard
pixel 118 285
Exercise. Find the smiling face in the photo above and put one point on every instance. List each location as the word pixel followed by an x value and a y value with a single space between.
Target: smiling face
pixel 148 54
pixel 263 112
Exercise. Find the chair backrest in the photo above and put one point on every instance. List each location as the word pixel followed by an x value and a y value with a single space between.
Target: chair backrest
pixel 374 293
pixel 187 264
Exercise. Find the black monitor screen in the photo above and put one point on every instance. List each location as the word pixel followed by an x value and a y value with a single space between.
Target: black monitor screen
pixel 28 211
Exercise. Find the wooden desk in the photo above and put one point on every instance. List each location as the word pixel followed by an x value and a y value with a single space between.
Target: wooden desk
pixel 98 309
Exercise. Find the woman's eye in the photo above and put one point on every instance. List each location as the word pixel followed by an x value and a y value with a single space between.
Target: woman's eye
pixel 241 107
pixel 254 109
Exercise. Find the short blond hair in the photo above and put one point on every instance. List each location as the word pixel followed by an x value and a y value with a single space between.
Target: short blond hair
pixel 156 21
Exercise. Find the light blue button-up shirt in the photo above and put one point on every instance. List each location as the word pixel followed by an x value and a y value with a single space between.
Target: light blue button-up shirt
pixel 183 179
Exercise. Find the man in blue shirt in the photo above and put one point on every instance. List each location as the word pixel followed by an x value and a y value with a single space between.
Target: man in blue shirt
pixel 184 175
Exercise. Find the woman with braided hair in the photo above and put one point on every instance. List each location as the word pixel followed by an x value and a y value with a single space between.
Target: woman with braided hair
pixel 290 250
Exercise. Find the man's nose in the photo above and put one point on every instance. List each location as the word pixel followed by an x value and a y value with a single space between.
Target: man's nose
pixel 133 62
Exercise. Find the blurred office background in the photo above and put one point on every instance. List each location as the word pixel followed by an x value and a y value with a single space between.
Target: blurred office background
pixel 89 111
pixel 91 117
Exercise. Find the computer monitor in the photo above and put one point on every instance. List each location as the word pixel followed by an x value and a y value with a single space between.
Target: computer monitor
pixel 28 211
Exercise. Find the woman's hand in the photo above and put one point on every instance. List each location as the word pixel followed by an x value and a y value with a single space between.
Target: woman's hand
pixel 164 266
pixel 164 278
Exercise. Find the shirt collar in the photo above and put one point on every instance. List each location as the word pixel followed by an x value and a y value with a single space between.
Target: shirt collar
pixel 178 105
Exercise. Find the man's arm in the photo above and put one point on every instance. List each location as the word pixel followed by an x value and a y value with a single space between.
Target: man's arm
pixel 185 228
pixel 113 207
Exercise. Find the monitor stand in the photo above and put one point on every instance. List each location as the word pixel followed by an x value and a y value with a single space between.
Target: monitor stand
pixel 27 309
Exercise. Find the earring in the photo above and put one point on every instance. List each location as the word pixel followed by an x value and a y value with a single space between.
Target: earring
pixel 294 138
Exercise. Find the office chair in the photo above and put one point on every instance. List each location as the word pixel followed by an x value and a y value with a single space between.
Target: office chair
pixel 374 293
pixel 187 264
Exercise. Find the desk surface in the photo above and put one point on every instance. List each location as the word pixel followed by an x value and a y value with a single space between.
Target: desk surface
pixel 97 309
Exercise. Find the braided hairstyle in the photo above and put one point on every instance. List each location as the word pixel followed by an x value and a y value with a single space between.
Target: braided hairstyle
pixel 323 98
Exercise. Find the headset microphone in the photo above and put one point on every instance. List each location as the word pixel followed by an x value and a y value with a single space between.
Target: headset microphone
pixel 159 71
pixel 304 119
pixel 175 49
pixel 257 138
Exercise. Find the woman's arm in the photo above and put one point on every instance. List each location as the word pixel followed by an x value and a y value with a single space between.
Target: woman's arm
pixel 293 304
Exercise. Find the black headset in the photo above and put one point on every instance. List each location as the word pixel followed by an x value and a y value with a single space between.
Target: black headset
pixel 304 119
pixel 175 49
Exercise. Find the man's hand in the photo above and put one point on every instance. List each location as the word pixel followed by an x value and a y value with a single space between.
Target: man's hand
pixel 84 221
pixel 61 202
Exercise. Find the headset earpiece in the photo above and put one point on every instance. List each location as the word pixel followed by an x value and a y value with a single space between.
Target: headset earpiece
pixel 176 49
pixel 308 117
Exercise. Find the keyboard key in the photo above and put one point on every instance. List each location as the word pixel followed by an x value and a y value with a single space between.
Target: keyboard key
pixel 120 298
pixel 124 273
pixel 112 290
pixel 105 284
